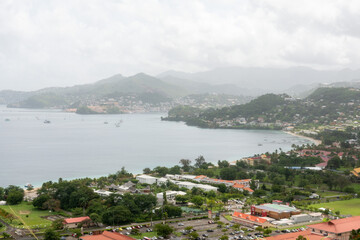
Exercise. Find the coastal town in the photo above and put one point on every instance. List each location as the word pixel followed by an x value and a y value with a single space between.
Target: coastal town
pixel 150 102
pixel 304 192
pixel 179 120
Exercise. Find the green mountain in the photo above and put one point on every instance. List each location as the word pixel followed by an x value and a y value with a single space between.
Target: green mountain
pixel 142 83
pixel 45 100
pixel 145 87
pixel 323 106
pixel 335 95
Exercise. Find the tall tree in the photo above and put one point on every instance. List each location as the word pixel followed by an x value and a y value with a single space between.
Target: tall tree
pixel 186 163
pixel 51 234
pixel 163 230
pixel 199 161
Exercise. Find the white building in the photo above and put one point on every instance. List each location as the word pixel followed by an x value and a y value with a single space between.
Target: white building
pixel 162 180
pixel 188 185
pixel 103 193
pixel 188 177
pixel 206 188
pixel 146 179
pixel 300 218
pixel 170 176
pixel 170 196
pixel 314 195
pixel 317 216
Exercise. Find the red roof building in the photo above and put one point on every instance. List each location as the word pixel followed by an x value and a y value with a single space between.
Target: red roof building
pixel 242 184
pixel 106 235
pixel 339 229
pixel 293 236
pixel 74 222
pixel 249 220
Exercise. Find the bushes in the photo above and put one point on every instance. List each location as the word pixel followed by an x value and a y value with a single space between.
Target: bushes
pixel 163 230
pixel 14 197
pixel 6 215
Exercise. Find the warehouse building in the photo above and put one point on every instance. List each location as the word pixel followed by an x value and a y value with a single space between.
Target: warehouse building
pixel 275 211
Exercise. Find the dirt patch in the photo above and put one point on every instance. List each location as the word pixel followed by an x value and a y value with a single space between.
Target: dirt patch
pixel 53 217
pixel 24 212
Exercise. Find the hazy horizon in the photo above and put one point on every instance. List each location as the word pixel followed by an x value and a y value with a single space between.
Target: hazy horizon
pixel 66 43
pixel 172 70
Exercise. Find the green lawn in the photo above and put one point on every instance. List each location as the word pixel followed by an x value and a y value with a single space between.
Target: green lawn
pixel 30 215
pixel 147 234
pixel 328 193
pixel 345 207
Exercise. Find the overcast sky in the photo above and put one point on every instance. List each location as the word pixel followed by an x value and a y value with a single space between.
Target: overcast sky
pixel 62 43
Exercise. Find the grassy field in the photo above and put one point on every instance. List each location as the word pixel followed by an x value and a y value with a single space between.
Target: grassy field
pixel 147 234
pixel 328 193
pixel 30 215
pixel 345 207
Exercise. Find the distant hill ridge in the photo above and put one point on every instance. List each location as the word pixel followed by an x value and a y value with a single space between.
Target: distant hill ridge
pixel 139 83
pixel 324 105
pixel 248 81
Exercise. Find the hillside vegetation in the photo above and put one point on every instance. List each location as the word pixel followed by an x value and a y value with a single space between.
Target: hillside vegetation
pixel 323 106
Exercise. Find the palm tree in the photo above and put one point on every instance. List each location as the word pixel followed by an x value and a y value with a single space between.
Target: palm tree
pixel 355 234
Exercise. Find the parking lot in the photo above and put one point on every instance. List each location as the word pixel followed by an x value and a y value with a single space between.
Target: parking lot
pixel 209 230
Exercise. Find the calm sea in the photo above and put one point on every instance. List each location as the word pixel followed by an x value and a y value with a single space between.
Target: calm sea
pixel 73 146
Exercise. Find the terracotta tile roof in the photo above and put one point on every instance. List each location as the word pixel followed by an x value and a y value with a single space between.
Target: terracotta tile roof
pixel 339 225
pixel 249 217
pixel 356 171
pixel 237 185
pixel 292 236
pixel 76 220
pixel 106 235
pixel 243 180
pixel 200 177
pixel 248 189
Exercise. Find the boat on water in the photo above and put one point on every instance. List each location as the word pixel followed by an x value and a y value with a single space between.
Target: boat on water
pixel 47 121
pixel 118 123
pixel 259 144
pixel 29 185
pixel 105 122
pixel 7 119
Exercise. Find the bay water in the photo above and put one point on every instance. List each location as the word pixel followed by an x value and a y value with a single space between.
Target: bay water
pixel 73 146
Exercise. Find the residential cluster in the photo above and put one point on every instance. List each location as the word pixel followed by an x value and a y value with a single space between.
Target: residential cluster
pixel 134 103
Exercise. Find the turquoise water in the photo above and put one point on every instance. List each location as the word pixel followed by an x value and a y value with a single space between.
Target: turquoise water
pixel 74 145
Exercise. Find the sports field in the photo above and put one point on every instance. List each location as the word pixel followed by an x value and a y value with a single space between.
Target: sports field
pixel 345 207
pixel 30 215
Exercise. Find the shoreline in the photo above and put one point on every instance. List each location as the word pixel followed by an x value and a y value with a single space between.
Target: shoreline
pixel 315 141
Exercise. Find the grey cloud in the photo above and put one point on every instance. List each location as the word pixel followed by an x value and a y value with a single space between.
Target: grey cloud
pixel 66 42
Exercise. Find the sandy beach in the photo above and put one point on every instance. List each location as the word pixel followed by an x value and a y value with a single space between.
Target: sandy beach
pixel 315 141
